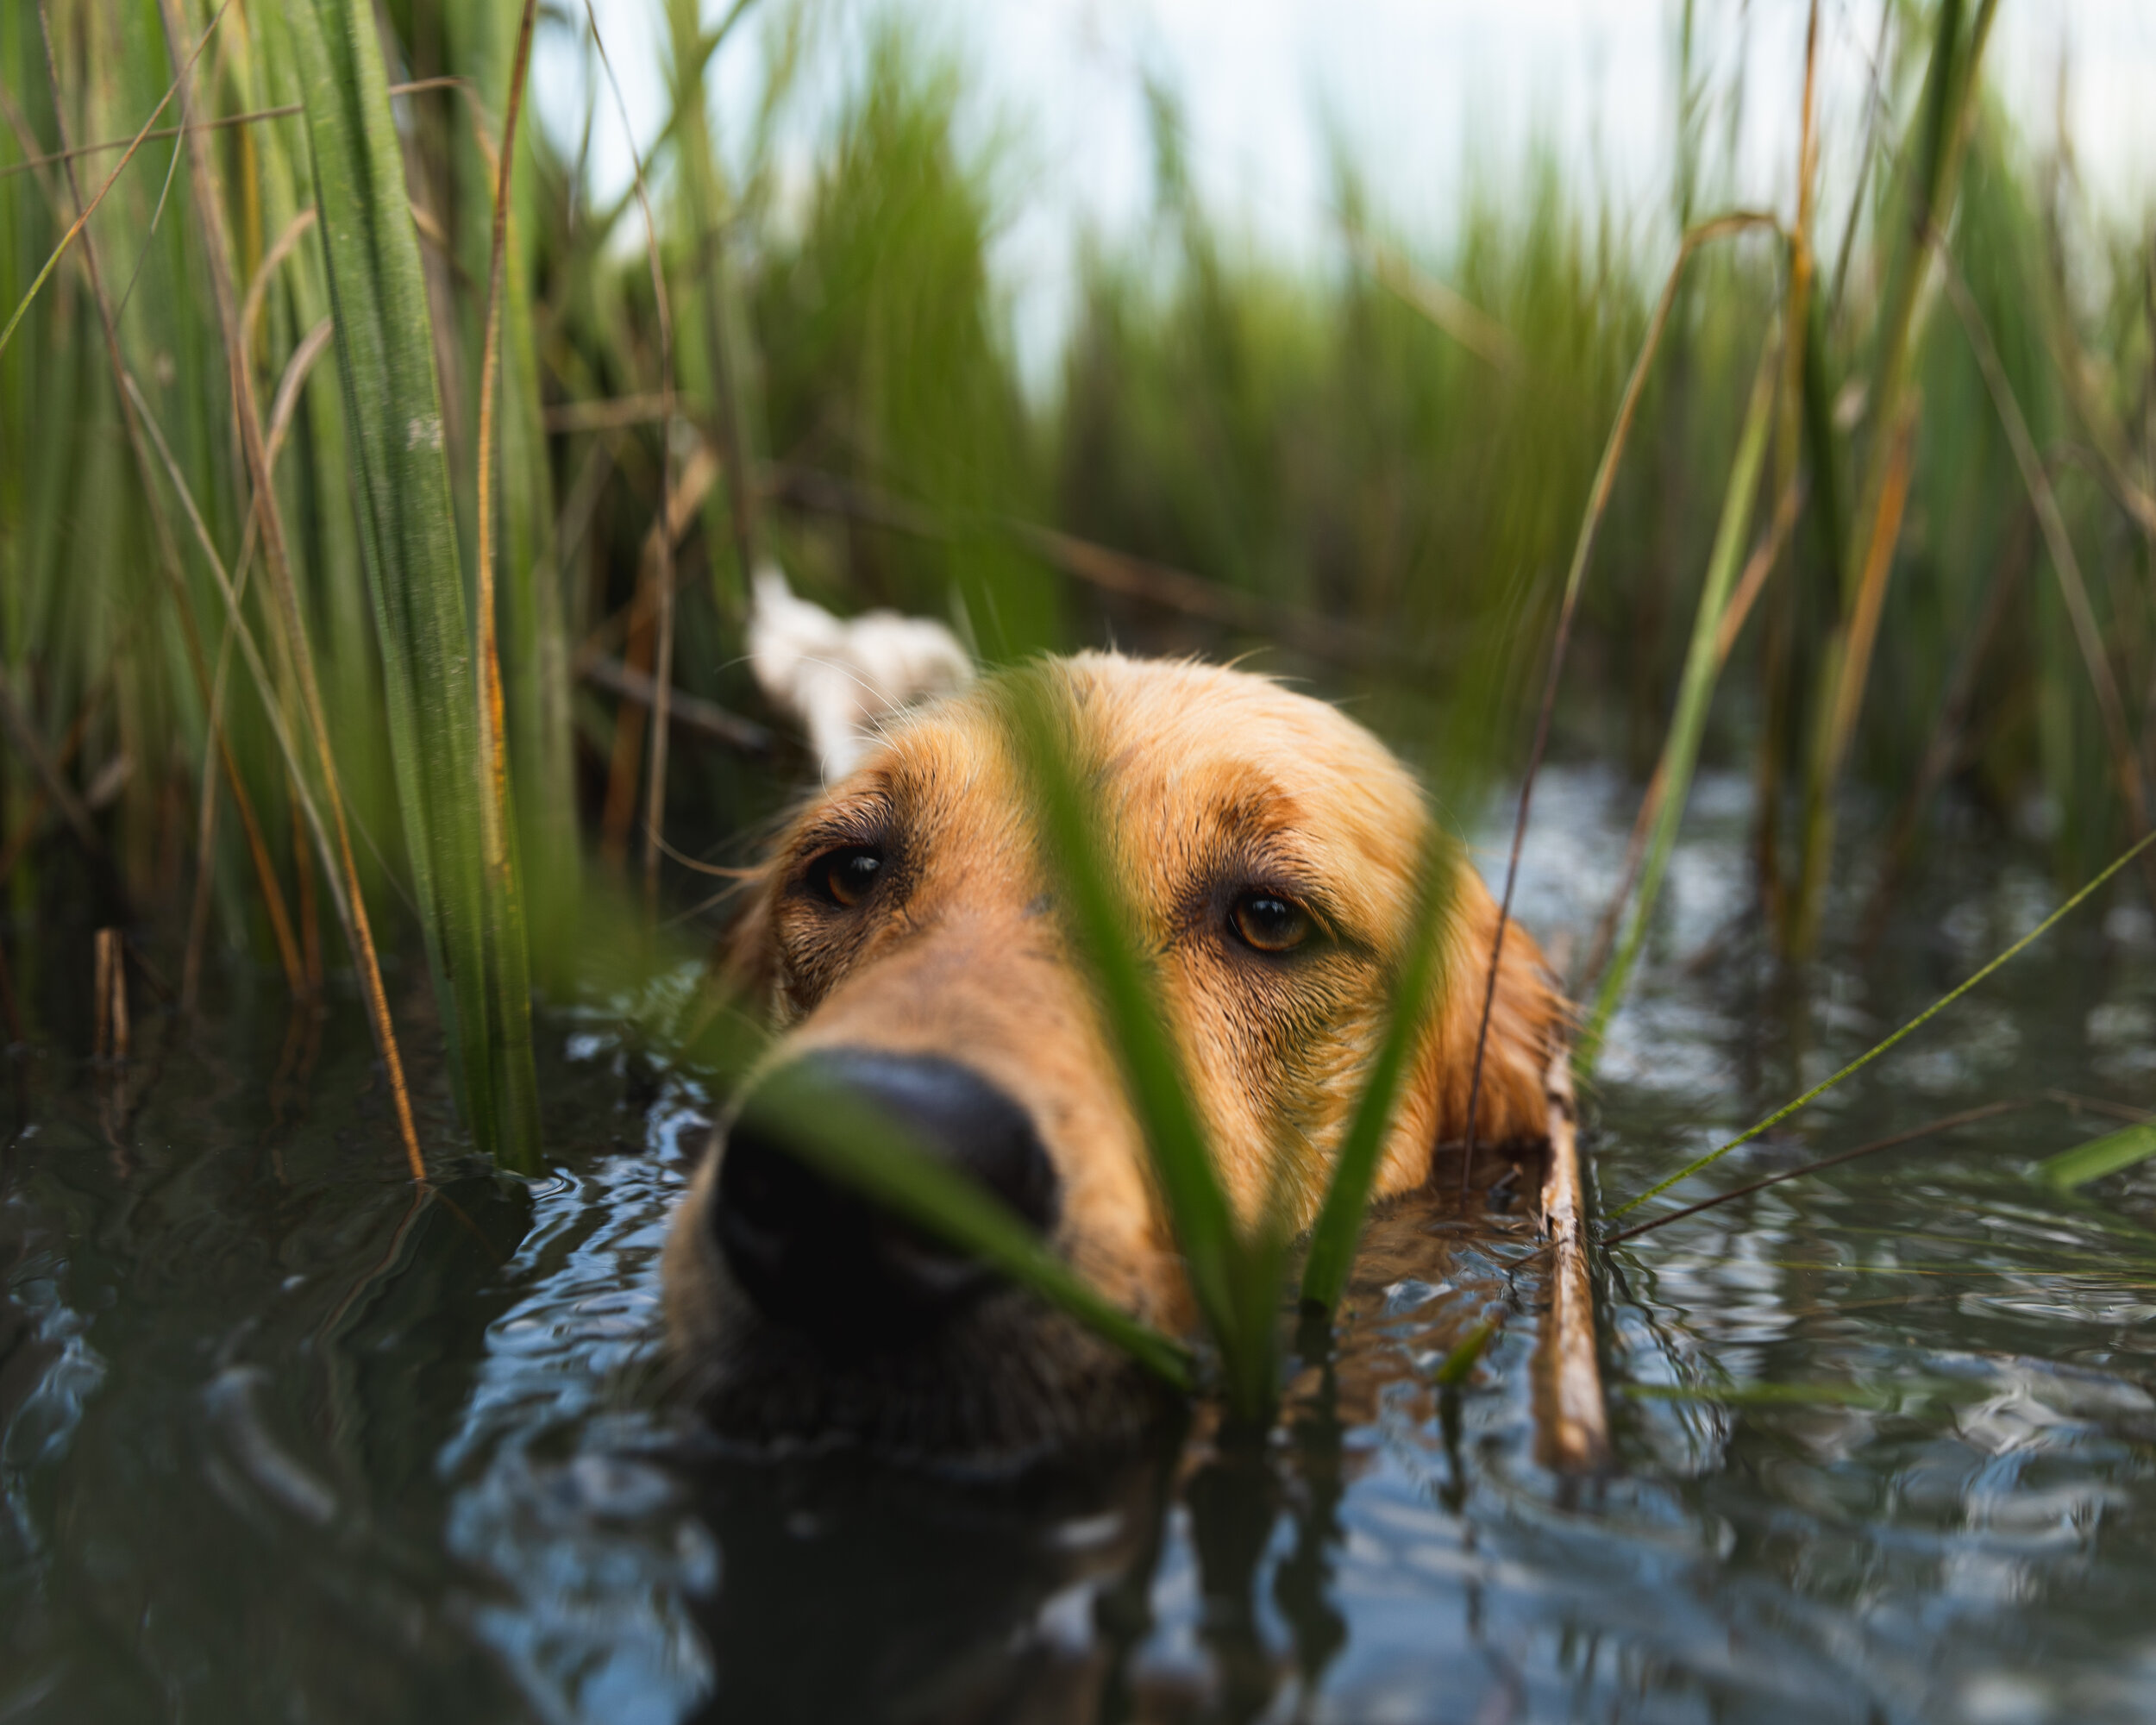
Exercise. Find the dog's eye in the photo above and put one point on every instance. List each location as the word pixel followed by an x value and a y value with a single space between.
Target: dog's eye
pixel 845 877
pixel 1269 923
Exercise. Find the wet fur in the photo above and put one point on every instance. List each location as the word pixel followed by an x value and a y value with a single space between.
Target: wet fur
pixel 1210 782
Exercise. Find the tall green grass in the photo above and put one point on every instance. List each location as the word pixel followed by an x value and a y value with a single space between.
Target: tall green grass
pixel 247 595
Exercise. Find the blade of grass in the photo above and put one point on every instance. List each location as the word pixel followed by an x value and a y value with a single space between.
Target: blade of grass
pixel 2113 1153
pixel 1452 1370
pixel 1930 1129
pixel 509 973
pixel 869 1152
pixel 1339 1224
pixel 1878 1048
pixel 692 52
pixel 1104 928
pixel 1702 665
pixel 267 516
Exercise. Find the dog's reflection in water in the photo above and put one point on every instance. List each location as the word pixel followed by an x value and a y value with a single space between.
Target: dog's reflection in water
pixel 859 1593
pixel 854 1591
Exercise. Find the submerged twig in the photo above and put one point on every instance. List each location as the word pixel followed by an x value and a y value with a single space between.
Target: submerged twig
pixel 1573 1435
pixel 110 979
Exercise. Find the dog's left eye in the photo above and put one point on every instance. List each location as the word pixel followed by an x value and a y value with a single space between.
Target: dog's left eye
pixel 845 877
pixel 1268 923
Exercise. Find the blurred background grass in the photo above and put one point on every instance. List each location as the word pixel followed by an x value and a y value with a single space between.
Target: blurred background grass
pixel 1367 467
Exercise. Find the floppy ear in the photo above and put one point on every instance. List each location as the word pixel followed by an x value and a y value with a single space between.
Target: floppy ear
pixel 1527 1017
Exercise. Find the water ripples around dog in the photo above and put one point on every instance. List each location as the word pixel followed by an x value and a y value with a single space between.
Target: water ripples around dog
pixel 279 1440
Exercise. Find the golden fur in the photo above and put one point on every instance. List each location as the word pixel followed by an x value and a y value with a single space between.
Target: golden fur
pixel 1208 782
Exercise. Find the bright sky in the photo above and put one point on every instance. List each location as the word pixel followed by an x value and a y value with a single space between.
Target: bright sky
pixel 1422 92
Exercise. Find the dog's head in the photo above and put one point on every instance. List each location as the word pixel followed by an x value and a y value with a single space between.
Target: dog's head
pixel 905 936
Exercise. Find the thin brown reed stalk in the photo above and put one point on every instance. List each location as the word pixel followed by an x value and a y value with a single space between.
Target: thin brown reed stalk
pixel 343 885
pixel 223 123
pixel 26 832
pixel 1939 143
pixel 168 557
pixel 1736 221
pixel 2065 564
pixel 693 50
pixel 495 827
pixel 1764 558
pixel 276 566
pixel 24 735
pixel 662 574
pixel 82 221
pixel 1944 746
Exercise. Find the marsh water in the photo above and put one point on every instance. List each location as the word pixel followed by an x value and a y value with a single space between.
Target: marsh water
pixel 279 1440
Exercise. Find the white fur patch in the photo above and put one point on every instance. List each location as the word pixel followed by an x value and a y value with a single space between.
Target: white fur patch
pixel 839 678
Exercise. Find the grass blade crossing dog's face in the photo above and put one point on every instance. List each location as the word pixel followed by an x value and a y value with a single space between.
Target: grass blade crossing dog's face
pixel 903 934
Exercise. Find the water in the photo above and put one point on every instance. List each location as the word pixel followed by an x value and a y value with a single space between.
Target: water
pixel 277 1442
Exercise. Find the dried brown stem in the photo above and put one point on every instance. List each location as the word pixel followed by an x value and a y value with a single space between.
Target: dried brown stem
pixel 663 576
pixel 2125 762
pixel 1736 222
pixel 163 132
pixel 1572 1434
pixel 493 728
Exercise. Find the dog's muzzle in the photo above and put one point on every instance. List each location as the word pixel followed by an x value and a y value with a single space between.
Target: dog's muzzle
pixel 816 1258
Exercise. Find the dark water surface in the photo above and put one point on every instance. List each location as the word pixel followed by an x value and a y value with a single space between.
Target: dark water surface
pixel 279 1442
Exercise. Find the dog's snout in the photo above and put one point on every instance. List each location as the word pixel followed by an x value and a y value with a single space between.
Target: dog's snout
pixel 817 1257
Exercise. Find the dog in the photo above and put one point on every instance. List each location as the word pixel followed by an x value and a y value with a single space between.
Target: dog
pixel 905 939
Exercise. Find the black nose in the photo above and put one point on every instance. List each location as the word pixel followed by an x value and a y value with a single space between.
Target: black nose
pixel 815 1257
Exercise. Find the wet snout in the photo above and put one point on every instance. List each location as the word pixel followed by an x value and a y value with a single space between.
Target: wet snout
pixel 818 1257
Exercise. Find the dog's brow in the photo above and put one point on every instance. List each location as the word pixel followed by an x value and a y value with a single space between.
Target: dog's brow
pixel 861 818
pixel 1278 863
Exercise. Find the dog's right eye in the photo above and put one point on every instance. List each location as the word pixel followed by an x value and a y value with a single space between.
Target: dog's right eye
pixel 845 877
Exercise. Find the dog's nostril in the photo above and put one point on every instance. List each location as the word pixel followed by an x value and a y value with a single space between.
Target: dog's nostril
pixel 815 1256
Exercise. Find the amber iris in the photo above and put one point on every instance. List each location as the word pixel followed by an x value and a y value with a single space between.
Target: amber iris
pixel 845 877
pixel 1268 923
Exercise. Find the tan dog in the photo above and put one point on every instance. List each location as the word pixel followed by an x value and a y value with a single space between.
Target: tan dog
pixel 903 936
